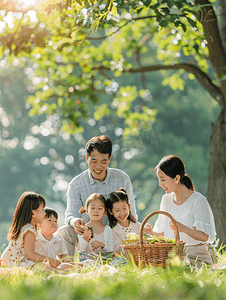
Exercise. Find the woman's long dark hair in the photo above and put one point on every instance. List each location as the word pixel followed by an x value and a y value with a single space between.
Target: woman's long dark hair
pixel 172 165
pixel 117 196
pixel 23 213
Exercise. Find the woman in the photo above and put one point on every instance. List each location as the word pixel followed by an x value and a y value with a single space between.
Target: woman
pixel 190 209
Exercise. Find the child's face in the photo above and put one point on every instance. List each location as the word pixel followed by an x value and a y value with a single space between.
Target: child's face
pixel 38 214
pixel 120 211
pixel 49 225
pixel 96 210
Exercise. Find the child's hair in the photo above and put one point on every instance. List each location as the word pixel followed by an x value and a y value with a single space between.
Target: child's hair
pixel 50 212
pixel 93 197
pixel 23 212
pixel 172 166
pixel 117 196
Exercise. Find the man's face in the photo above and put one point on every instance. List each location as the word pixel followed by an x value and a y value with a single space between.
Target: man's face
pixel 98 164
pixel 49 225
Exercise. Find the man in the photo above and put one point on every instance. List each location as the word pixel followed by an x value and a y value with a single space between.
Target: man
pixel 97 178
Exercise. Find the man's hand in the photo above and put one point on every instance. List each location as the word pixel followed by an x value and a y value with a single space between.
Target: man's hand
pixel 97 244
pixel 78 225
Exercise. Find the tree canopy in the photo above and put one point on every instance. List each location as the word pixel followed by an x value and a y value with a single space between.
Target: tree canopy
pixel 83 48
pixel 84 54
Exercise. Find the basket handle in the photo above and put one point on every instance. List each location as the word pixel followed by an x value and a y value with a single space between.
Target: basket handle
pixel 157 213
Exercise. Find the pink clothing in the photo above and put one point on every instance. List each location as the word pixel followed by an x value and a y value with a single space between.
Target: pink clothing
pixel 14 254
pixel 120 233
pixel 106 237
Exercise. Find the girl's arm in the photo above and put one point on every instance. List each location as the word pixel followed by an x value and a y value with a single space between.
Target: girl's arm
pixel 84 239
pixel 108 238
pixel 117 240
pixel 192 232
pixel 29 247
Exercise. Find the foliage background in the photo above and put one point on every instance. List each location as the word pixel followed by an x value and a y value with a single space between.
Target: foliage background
pixel 40 149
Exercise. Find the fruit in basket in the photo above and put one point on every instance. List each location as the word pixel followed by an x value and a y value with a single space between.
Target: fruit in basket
pixel 146 236
pixel 132 236
pixel 160 240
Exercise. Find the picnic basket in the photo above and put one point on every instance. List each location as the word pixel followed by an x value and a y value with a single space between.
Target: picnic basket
pixel 153 254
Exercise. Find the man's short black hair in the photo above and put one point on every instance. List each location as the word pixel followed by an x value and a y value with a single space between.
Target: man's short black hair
pixel 101 143
pixel 51 212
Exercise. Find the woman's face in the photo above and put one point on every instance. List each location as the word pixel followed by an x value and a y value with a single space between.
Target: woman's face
pixel 167 183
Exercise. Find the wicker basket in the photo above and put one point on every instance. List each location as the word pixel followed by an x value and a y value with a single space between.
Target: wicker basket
pixel 153 254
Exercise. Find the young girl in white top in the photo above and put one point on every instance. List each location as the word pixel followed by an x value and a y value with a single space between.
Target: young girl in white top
pixel 120 218
pixel 22 234
pixel 99 238
pixel 190 209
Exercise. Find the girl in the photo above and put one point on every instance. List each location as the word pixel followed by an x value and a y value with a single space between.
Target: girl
pixel 22 234
pixel 99 237
pixel 190 209
pixel 120 218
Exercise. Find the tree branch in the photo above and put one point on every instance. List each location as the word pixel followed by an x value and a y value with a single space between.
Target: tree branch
pixel 139 65
pixel 119 28
pixel 202 77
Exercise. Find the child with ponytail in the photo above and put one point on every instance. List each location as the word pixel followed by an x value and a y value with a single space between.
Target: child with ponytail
pixel 120 218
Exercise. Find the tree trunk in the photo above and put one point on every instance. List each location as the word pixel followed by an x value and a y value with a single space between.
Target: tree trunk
pixel 216 192
pixel 222 8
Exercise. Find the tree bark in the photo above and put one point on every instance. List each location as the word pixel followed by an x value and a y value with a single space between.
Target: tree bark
pixel 222 9
pixel 216 192
pixel 217 54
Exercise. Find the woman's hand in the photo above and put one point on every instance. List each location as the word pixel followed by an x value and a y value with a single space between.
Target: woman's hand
pixel 192 232
pixel 180 226
pixel 148 229
pixel 87 234
pixel 97 244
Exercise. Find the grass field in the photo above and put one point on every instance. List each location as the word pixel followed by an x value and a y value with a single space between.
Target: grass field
pixel 125 282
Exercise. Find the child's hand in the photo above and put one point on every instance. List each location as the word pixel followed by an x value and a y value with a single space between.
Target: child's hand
pixel 97 244
pixel 148 229
pixel 58 262
pixel 52 262
pixel 87 234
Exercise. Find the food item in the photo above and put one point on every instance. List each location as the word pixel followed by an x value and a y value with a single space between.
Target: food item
pixel 159 240
pixel 132 236
pixel 146 236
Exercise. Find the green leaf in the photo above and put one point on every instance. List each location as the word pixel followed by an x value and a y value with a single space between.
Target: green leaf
pixel 65 41
pixel 114 10
pixel 192 22
pixel 183 27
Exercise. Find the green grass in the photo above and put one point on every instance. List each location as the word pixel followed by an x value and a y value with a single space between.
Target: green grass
pixel 127 282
